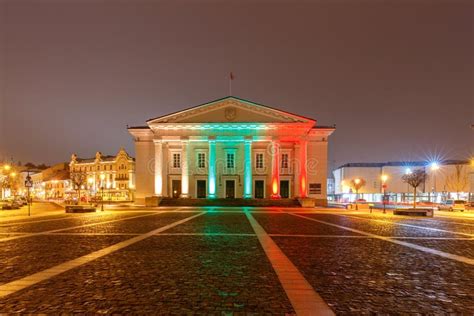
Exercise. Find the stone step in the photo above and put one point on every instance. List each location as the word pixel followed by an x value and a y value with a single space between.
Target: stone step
pixel 230 202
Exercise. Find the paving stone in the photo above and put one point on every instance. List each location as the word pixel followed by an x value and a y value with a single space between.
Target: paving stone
pixel 216 223
pixel 379 228
pixel 370 276
pixel 165 274
pixel 281 223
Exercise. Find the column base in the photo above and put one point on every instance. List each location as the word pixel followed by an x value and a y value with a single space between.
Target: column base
pixel 275 196
pixel 184 196
pixel 211 196
pixel 247 196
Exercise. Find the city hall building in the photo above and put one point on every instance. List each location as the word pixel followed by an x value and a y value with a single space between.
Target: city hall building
pixel 231 148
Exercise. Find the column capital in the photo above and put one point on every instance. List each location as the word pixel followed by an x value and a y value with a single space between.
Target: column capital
pixel 248 138
pixel 158 140
pixel 212 138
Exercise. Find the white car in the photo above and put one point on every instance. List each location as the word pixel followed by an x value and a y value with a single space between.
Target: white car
pixel 453 205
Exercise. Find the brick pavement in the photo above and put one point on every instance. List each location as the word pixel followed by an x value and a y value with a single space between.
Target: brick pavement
pixel 214 264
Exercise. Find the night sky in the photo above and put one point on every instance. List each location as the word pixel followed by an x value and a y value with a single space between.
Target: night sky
pixel 396 77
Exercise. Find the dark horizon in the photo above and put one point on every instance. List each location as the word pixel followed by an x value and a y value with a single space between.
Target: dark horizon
pixel 390 75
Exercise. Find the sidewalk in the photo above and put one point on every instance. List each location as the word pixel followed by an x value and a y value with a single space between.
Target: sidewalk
pixel 38 209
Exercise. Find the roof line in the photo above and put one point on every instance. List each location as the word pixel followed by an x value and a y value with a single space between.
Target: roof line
pixel 230 97
pixel 418 163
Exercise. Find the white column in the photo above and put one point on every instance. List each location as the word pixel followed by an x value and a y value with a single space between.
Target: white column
pixel 184 169
pixel 248 168
pixel 303 177
pixel 211 166
pixel 158 167
pixel 296 169
pixel 275 152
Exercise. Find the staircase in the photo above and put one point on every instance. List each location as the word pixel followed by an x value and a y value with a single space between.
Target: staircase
pixel 230 202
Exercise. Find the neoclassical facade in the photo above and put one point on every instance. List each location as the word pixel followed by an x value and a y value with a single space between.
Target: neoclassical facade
pixel 231 148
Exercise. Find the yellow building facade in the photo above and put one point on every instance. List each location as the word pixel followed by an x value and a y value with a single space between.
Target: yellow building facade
pixel 110 177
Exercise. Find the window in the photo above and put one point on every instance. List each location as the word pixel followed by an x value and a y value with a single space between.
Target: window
pixel 284 161
pixel 201 160
pixel 259 161
pixel 176 160
pixel 230 161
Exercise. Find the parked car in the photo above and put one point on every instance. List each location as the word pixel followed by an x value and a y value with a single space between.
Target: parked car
pixel 10 205
pixel 20 200
pixel 453 205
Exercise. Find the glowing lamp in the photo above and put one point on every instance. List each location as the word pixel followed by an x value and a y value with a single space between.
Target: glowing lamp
pixel 384 178
pixel 357 181
pixel 434 166
pixel 408 171
pixel 275 187
pixel 303 186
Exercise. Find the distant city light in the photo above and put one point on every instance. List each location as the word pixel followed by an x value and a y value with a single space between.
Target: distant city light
pixel 408 171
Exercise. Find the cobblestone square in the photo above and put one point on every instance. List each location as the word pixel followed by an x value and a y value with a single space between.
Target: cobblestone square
pixel 236 261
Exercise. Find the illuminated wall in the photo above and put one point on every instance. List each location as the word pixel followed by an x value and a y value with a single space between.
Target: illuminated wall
pixel 212 169
pixel 248 169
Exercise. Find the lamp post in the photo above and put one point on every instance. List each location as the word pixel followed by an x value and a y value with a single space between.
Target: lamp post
pixel 28 185
pixel 357 182
pixel 102 178
pixel 384 179
pixel 434 167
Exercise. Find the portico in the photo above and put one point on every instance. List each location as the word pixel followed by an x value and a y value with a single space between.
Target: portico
pixel 231 148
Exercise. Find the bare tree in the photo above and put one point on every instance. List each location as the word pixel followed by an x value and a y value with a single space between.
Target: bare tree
pixel 457 181
pixel 415 179
pixel 357 184
pixel 78 180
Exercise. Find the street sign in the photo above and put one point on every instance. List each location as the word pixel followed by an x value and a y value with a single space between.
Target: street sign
pixel 28 184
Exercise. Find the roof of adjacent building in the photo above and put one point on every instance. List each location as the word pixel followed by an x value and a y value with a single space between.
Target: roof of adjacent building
pixel 103 158
pixel 58 175
pixel 400 164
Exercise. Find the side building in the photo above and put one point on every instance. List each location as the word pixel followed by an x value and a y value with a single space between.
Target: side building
pixel 449 179
pixel 110 176
pixel 231 148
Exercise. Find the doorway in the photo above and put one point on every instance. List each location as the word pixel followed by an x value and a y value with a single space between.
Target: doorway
pixel 230 189
pixel 201 189
pixel 259 189
pixel 285 189
pixel 176 188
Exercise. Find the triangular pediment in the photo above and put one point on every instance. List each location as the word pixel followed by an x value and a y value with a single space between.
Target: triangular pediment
pixel 231 110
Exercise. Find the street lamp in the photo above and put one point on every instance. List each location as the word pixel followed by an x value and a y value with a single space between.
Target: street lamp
pixel 102 178
pixel 357 182
pixel 384 179
pixel 434 167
